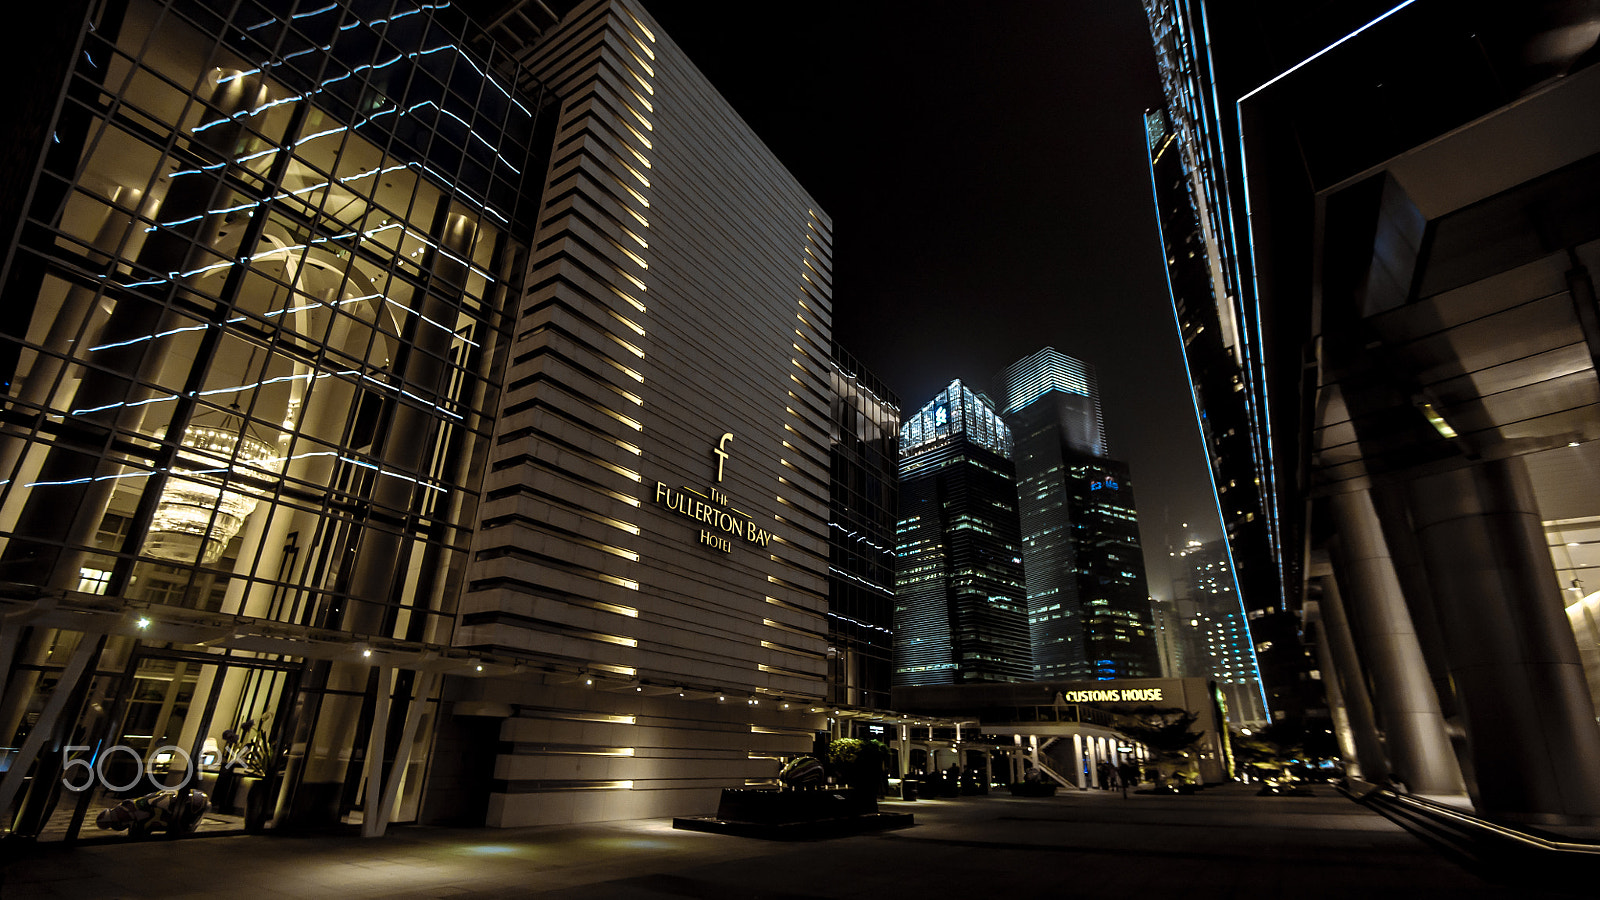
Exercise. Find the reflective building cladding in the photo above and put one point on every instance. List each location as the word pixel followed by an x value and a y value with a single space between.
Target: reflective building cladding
pixel 1088 606
pixel 861 531
pixel 960 600
pixel 432 422
pixel 1427 171
pixel 1193 171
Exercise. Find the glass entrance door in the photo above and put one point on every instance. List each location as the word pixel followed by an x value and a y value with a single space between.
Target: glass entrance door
pixel 175 722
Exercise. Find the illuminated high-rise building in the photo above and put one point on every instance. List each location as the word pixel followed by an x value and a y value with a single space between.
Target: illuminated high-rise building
pixel 1190 168
pixel 960 601
pixel 1088 605
pixel 1216 630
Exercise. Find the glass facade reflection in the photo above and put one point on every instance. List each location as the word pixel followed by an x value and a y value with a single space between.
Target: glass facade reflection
pixel 256 321
pixel 866 428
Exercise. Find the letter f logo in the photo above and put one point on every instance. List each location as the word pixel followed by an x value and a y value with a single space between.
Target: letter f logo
pixel 722 454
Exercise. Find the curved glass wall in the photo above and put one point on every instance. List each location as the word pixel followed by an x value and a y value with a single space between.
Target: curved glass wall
pixel 255 333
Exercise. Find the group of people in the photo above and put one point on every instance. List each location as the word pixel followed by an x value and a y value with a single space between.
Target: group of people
pixel 1113 777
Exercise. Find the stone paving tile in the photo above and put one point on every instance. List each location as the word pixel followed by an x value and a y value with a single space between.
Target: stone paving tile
pixel 1221 843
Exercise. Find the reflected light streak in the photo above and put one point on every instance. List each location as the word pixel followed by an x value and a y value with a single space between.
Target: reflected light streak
pixel 237 388
pixel 248 469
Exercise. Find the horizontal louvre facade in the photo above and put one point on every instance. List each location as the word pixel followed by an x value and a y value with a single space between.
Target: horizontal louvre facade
pixel 654 530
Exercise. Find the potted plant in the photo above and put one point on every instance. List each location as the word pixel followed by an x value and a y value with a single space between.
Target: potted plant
pixel 249 761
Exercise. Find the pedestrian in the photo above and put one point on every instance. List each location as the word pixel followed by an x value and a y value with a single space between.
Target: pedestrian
pixel 1128 773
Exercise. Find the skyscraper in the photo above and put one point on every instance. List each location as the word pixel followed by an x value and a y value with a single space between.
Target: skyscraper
pixel 1194 178
pixel 1088 605
pixel 864 512
pixel 960 601
pixel 1205 588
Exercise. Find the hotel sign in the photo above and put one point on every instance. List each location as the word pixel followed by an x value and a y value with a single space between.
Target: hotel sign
pixel 723 524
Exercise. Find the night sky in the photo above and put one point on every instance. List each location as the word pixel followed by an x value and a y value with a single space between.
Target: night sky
pixel 985 168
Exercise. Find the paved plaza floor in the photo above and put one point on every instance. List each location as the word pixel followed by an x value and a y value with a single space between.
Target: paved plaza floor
pixel 1223 842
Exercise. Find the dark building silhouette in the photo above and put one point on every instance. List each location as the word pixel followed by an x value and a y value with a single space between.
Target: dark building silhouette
pixel 960 601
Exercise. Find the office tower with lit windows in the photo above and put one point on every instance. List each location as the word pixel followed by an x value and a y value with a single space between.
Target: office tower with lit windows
pixel 439 406
pixel 1227 653
pixel 863 513
pixel 1088 607
pixel 960 600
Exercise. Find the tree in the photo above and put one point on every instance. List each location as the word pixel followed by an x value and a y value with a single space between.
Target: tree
pixel 1283 747
pixel 1264 753
pixel 858 763
pixel 1165 731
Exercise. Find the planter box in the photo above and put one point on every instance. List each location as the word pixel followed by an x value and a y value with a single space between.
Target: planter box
pixel 776 807
pixel 795 815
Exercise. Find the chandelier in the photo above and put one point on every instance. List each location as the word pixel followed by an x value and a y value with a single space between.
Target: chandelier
pixel 202 507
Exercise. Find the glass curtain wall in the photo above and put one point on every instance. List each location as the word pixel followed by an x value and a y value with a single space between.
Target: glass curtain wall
pixel 253 343
pixel 863 513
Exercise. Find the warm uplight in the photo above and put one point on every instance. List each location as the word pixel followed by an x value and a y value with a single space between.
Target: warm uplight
pixel 1437 421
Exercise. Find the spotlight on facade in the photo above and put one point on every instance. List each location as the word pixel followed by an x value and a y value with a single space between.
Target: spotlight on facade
pixel 144 622
pixel 1437 421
